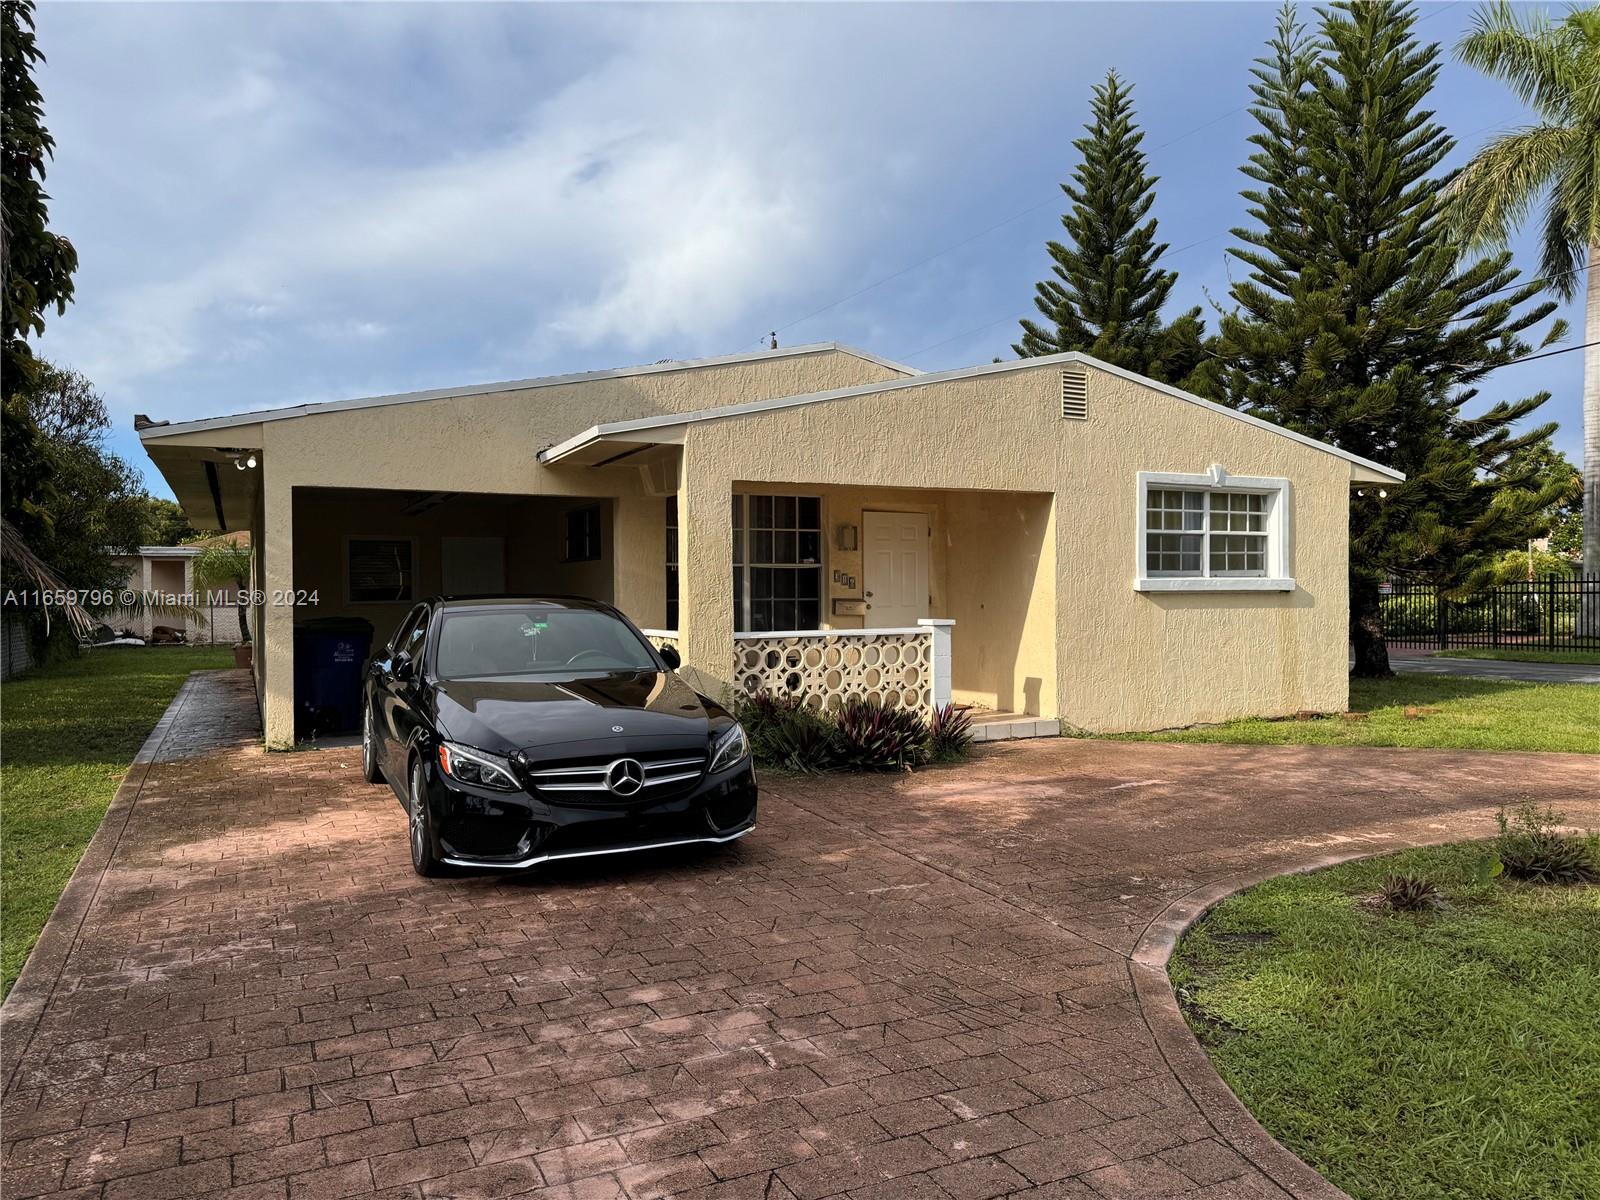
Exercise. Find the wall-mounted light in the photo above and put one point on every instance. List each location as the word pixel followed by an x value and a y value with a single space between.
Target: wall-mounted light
pixel 245 462
pixel 845 537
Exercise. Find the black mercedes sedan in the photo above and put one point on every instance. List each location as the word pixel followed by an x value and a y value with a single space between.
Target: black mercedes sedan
pixel 520 730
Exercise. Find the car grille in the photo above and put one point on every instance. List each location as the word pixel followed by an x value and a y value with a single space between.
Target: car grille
pixel 664 775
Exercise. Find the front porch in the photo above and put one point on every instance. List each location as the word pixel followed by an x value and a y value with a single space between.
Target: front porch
pixel 906 597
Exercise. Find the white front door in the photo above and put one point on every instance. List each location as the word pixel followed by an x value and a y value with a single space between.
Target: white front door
pixel 895 568
pixel 473 566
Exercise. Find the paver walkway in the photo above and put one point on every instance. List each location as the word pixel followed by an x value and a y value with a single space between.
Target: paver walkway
pixel 896 987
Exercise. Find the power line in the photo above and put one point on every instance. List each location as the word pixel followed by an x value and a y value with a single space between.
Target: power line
pixel 983 233
pixel 1510 287
pixel 967 241
pixel 1548 354
pixel 1003 320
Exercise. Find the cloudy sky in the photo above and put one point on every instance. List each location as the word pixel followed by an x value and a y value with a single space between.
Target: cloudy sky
pixel 276 204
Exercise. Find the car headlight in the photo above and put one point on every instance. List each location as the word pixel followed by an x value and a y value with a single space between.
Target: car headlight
pixel 730 749
pixel 477 767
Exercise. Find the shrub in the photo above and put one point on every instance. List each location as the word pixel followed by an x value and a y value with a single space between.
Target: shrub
pixel 1410 893
pixel 950 733
pixel 870 737
pixel 1531 846
pixel 788 734
pixel 801 741
pixel 762 712
pixel 785 732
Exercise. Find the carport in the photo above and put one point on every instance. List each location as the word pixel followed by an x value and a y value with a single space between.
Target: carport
pixel 373 552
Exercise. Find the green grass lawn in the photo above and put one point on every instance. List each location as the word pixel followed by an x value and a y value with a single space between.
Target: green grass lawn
pixel 1453 1054
pixel 1449 712
pixel 1580 658
pixel 69 733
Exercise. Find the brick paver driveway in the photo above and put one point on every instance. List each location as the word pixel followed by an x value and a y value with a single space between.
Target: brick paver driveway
pixel 896 987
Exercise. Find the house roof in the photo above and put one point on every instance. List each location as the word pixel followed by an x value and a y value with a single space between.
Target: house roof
pixel 154 431
pixel 607 442
pixel 170 551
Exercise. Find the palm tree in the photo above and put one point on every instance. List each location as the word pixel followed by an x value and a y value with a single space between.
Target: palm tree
pixel 223 564
pixel 1554 68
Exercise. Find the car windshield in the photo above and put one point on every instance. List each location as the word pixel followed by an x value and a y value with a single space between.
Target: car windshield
pixel 534 640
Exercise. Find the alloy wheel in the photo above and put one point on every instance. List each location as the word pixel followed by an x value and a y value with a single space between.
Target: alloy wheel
pixel 419 819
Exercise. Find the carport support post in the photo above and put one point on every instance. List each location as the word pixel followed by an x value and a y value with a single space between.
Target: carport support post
pixel 639 583
pixel 277 620
pixel 705 574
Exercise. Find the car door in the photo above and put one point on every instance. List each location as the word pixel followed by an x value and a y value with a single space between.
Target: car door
pixel 390 695
pixel 410 694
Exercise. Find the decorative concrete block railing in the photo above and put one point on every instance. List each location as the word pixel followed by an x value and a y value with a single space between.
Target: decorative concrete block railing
pixel 661 638
pixel 899 668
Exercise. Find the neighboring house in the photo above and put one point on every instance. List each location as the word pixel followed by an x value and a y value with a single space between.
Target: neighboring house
pixel 169 571
pixel 1090 547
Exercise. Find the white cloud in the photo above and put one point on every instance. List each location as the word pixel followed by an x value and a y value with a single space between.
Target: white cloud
pixel 593 215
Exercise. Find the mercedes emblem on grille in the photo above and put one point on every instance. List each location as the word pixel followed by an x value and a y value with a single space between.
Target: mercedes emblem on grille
pixel 625 777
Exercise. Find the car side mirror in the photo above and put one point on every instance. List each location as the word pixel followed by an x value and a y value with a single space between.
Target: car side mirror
pixel 404 669
pixel 671 658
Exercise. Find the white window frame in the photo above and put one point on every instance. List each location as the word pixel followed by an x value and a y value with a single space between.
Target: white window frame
pixel 742 616
pixel 1278 495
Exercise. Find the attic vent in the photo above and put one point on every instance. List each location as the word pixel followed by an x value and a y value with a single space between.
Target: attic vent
pixel 1074 395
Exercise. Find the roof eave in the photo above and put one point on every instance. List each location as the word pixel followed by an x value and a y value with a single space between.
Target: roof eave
pixel 156 433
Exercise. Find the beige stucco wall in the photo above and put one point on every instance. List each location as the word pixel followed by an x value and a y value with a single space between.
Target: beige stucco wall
pixel 488 443
pixel 1034 522
pixel 1002 596
pixel 1107 657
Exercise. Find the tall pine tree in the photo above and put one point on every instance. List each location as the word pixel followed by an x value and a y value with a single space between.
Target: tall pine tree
pixel 1107 293
pixel 1361 323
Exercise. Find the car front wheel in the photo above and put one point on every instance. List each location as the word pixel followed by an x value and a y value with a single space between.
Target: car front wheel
pixel 370 770
pixel 423 859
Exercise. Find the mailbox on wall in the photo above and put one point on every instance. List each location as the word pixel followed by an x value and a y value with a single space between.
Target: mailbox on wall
pixel 846 607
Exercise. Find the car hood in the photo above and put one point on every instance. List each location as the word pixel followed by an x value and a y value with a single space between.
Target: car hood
pixel 503 714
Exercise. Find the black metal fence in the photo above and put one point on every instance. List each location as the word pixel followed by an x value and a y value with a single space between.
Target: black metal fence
pixel 1548 614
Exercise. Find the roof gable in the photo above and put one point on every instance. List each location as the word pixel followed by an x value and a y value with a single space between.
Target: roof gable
pixel 643 425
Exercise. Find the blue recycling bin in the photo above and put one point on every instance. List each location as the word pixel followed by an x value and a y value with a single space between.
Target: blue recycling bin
pixel 330 655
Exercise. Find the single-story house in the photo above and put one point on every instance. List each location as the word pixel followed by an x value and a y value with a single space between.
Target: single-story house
pixel 161 571
pixel 168 571
pixel 1051 541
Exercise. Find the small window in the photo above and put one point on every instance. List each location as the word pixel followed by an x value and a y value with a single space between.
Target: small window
pixel 583 534
pixel 1205 533
pixel 1214 532
pixel 381 570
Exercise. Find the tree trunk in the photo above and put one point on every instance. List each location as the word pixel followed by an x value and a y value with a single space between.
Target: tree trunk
pixel 244 611
pixel 1589 619
pixel 1366 630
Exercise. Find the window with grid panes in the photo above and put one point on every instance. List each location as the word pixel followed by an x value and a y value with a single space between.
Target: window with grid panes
pixel 1202 534
pixel 777 563
pixel 672 562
